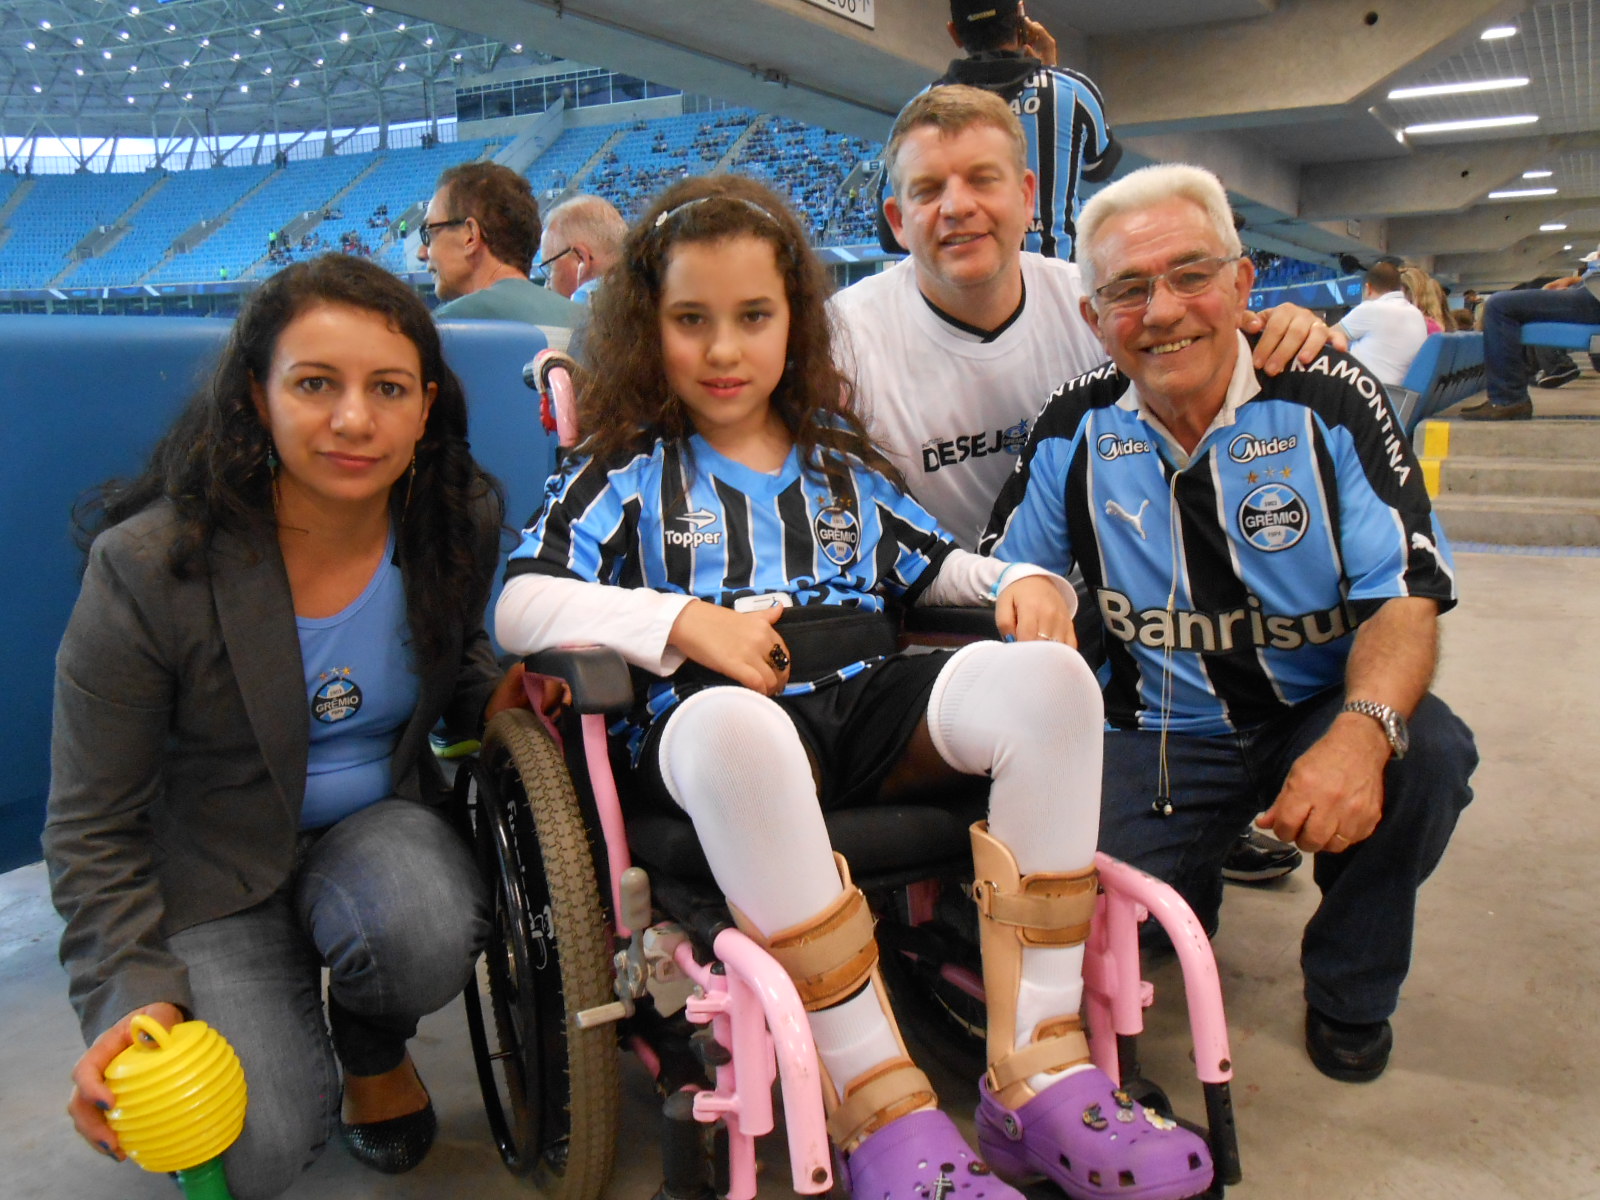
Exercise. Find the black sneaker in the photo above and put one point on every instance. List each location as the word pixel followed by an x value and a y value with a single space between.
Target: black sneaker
pixel 1257 857
pixel 1554 379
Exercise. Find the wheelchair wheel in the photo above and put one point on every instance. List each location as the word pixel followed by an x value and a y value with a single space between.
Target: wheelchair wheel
pixel 548 958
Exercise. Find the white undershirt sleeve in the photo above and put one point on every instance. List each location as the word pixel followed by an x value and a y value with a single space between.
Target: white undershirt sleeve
pixel 967 580
pixel 536 612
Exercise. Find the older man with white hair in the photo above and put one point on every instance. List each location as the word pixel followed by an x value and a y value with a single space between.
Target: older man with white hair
pixel 1269 576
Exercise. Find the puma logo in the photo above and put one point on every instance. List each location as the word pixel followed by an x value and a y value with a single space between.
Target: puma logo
pixel 1113 509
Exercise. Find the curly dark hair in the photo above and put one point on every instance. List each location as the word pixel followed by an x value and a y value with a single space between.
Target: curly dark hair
pixel 502 203
pixel 625 405
pixel 212 463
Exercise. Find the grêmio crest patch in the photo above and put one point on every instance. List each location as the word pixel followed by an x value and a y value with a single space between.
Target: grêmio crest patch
pixel 839 534
pixel 1273 517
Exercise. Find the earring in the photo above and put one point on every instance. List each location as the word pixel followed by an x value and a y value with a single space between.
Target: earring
pixel 411 478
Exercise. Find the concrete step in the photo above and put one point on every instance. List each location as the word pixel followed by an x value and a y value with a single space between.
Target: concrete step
pixel 1514 521
pixel 1521 477
pixel 1573 438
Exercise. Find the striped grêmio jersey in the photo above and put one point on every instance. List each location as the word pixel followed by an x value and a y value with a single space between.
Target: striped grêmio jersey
pixel 1245 572
pixel 698 523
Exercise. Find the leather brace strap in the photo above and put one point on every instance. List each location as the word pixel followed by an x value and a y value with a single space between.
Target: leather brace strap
pixel 887 1092
pixel 1056 1045
pixel 829 957
pixel 1042 918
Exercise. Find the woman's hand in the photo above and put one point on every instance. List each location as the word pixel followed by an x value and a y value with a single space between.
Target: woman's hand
pixel 1032 610
pixel 91 1095
pixel 742 646
pixel 512 693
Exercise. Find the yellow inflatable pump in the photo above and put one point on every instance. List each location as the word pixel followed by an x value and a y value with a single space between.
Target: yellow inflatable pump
pixel 180 1099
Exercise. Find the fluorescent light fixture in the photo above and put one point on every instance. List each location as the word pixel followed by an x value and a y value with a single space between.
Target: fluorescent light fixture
pixel 1568 246
pixel 1452 89
pixel 1474 123
pixel 1537 174
pixel 1553 227
pixel 1519 193
pixel 1496 32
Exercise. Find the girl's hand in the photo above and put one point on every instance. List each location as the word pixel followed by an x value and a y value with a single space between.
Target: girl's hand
pixel 91 1095
pixel 738 645
pixel 1032 610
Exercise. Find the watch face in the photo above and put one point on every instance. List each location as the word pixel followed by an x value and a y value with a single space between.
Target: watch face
pixel 1399 735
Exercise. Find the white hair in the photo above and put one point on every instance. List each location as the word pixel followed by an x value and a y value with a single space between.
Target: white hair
pixel 1145 188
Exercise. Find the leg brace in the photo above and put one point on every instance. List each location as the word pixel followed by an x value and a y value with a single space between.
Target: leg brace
pixel 831 957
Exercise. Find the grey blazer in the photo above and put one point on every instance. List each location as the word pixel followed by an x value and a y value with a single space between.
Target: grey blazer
pixel 178 752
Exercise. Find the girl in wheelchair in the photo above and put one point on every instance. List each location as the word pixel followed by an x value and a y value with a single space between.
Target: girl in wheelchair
pixel 730 529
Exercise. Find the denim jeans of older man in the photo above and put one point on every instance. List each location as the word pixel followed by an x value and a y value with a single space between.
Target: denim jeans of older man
pixel 389 901
pixel 1356 949
pixel 1503 318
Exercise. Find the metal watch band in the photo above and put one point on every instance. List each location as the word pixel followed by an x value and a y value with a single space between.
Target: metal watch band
pixel 1388 719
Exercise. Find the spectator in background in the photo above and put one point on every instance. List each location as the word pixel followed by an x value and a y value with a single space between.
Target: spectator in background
pixel 1062 114
pixel 1574 299
pixel 478 239
pixel 1385 330
pixel 1425 294
pixel 582 240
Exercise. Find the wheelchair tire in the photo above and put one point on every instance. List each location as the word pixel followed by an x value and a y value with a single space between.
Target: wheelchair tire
pixel 548 958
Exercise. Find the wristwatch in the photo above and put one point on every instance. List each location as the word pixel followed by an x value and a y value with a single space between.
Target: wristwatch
pixel 1394 725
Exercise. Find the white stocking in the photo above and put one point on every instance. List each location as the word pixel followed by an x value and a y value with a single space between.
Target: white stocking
pixel 732 760
pixel 1030 716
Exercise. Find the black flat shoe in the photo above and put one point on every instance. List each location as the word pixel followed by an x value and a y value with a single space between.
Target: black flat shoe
pixel 393 1146
pixel 1346 1052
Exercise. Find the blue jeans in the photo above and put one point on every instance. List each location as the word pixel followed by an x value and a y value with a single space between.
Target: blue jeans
pixel 1357 947
pixel 1504 315
pixel 390 902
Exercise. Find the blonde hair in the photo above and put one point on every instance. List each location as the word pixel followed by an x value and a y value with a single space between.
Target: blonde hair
pixel 1423 290
pixel 951 109
pixel 1144 188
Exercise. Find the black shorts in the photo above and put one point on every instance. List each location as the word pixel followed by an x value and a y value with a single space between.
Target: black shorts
pixel 854 732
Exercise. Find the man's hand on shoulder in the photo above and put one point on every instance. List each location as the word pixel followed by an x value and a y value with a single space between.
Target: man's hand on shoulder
pixel 1333 796
pixel 1289 332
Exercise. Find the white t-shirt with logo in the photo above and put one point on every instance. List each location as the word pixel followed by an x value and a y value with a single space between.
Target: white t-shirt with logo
pixel 1385 334
pixel 953 412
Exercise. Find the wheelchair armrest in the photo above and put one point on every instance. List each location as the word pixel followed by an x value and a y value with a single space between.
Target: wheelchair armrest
pixel 949 621
pixel 597 675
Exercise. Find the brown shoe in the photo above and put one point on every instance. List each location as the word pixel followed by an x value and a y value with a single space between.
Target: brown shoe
pixel 1522 410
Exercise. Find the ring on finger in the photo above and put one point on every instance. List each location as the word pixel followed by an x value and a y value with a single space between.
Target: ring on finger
pixel 778 657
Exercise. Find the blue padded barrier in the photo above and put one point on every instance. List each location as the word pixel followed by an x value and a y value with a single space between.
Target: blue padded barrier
pixel 1562 335
pixel 86 400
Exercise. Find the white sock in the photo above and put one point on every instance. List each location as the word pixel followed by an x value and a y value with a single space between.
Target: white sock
pixel 1030 716
pixel 732 760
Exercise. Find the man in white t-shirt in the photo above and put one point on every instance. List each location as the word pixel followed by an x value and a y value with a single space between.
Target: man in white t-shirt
pixel 1385 330
pixel 955 350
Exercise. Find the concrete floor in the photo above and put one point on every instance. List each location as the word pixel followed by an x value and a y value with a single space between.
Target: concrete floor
pixel 1496 1073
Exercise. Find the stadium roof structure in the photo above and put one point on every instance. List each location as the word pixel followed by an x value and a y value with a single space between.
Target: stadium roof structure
pixel 182 69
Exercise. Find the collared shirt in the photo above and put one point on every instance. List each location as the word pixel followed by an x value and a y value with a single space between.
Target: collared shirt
pixel 1230 581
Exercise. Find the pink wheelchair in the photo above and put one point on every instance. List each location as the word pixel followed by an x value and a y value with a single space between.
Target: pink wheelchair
pixel 610 934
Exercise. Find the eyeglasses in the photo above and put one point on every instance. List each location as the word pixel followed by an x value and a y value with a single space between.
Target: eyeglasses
pixel 1186 279
pixel 425 230
pixel 542 269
